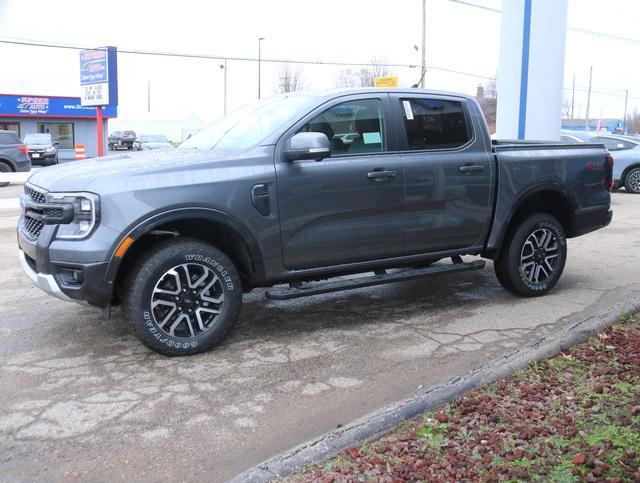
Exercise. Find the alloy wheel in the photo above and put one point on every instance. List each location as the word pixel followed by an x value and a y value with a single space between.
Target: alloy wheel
pixel 187 300
pixel 539 255
pixel 634 180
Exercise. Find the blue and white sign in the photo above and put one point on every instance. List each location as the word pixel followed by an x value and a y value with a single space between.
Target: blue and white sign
pixel 47 106
pixel 98 76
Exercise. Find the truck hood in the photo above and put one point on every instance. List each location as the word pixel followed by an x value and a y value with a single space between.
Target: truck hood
pixel 96 174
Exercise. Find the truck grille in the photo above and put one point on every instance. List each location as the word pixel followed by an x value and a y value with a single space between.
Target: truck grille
pixel 35 195
pixel 30 227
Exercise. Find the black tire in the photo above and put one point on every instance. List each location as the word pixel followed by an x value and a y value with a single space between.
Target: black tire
pixel 513 267
pixel 632 181
pixel 5 168
pixel 146 277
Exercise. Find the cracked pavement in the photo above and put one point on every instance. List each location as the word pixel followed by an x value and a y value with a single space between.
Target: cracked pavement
pixel 83 399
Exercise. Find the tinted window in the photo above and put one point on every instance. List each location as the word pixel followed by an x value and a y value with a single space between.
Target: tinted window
pixel 9 138
pixel 613 144
pixel 434 124
pixel 353 127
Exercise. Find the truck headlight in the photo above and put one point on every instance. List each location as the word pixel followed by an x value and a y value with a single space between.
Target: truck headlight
pixel 86 211
pixel 50 150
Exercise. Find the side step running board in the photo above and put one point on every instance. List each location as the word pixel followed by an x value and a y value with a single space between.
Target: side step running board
pixel 379 279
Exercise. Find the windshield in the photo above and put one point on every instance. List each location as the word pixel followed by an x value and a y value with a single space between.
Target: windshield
pixel 37 139
pixel 153 139
pixel 249 125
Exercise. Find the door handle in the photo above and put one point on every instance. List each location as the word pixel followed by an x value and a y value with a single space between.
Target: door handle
pixel 471 168
pixel 380 174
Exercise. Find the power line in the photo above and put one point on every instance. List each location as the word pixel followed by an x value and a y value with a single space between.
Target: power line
pixel 35 43
pixel 602 35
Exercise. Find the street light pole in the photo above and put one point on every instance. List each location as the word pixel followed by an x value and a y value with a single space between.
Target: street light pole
pixel 423 63
pixel 624 119
pixel 260 39
pixel 224 70
pixel 586 121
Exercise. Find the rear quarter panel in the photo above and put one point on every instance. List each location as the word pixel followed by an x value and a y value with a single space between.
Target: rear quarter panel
pixel 577 171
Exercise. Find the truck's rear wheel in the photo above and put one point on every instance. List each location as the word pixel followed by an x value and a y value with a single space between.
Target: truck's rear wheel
pixel 182 297
pixel 632 181
pixel 533 256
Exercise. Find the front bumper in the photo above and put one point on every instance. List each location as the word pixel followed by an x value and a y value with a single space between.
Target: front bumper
pixel 42 158
pixel 46 282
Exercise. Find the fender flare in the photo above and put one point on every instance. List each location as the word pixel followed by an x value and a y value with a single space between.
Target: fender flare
pixel 141 226
pixel 553 186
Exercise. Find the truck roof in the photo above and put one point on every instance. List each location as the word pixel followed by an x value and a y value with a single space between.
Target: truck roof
pixel 330 93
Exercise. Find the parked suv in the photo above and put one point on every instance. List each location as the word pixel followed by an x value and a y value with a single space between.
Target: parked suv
pixel 300 188
pixel 42 148
pixel 121 140
pixel 13 154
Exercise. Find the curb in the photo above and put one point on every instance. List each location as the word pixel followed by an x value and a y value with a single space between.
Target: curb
pixel 388 418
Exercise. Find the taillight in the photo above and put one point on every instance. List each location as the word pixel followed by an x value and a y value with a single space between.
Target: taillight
pixel 24 149
pixel 608 180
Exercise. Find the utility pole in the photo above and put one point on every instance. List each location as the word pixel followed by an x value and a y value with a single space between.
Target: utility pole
pixel 223 67
pixel 573 94
pixel 148 96
pixel 260 39
pixel 624 119
pixel 424 43
pixel 586 121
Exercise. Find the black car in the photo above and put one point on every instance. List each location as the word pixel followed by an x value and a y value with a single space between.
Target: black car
pixel 13 154
pixel 42 148
pixel 121 140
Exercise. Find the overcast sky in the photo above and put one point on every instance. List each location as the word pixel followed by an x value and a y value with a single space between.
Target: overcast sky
pixel 459 37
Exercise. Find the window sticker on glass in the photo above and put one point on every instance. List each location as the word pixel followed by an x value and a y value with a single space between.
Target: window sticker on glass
pixel 371 137
pixel 407 110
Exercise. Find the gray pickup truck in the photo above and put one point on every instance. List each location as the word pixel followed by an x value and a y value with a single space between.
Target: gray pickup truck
pixel 301 190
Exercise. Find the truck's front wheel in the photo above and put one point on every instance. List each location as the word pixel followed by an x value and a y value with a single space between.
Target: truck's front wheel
pixel 182 297
pixel 533 256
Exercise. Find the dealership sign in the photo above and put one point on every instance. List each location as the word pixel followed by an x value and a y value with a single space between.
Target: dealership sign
pixel 98 76
pixel 12 105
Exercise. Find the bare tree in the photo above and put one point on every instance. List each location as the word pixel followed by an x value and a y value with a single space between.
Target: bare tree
pixel 376 69
pixel 363 77
pixel 348 78
pixel 290 79
pixel 487 97
pixel 633 122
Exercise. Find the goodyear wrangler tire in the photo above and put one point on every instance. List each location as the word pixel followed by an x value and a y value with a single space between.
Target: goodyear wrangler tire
pixel 182 297
pixel 533 256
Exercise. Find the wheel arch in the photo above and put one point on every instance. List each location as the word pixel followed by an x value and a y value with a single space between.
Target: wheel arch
pixel 9 163
pixel 224 231
pixel 553 199
pixel 624 174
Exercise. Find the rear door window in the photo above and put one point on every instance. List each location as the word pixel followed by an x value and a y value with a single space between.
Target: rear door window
pixel 434 124
pixel 9 138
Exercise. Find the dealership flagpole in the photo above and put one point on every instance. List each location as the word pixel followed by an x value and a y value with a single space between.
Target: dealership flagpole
pixel 100 130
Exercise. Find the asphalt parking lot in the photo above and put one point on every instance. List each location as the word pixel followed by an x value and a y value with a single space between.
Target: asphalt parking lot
pixel 83 399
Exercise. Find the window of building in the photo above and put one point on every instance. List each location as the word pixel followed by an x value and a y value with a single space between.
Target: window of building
pixel 353 127
pixel 435 124
pixel 61 133
pixel 10 126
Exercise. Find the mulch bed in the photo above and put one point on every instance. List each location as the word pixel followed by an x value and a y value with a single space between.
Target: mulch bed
pixel 575 417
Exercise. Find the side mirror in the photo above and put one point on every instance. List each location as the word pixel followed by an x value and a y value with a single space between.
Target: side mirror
pixel 56 143
pixel 308 145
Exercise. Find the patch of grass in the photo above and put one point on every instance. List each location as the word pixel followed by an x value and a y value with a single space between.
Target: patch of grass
pixel 433 437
